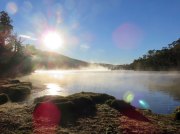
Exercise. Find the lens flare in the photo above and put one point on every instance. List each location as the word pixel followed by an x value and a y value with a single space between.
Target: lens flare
pixel 144 104
pixel 128 96
pixel 46 118
pixel 11 7
pixel 127 36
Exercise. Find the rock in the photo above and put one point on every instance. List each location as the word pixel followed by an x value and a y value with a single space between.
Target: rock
pixel 177 116
pixel 18 93
pixel 97 98
pixel 74 106
pixel 177 109
pixel 3 98
pixel 177 113
pixel 119 105
pixel 29 84
pixel 14 81
pixel 16 90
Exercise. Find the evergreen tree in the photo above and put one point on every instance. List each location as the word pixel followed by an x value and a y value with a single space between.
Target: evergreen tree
pixel 5 27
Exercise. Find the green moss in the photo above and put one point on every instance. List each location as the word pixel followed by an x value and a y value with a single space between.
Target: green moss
pixel 73 106
pixel 52 98
pixel 95 97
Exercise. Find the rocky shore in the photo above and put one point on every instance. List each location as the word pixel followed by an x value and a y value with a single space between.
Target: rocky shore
pixel 14 90
pixel 81 113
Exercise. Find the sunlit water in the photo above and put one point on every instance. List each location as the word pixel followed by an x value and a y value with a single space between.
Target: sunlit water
pixel 158 91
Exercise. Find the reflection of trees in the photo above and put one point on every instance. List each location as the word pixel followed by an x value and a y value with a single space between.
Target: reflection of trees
pixel 170 86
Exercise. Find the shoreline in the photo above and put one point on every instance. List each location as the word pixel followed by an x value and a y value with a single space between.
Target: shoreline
pixel 84 112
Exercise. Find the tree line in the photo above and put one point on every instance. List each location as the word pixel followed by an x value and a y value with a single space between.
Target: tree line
pixel 14 58
pixel 168 58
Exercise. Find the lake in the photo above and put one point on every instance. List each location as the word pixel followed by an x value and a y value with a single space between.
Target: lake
pixel 158 91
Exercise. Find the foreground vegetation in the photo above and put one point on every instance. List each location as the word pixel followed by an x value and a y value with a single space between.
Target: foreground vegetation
pixel 83 112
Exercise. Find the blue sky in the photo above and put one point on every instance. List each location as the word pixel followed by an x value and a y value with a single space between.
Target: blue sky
pixel 110 31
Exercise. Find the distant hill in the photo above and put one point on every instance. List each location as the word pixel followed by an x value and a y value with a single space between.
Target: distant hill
pixel 168 58
pixel 52 60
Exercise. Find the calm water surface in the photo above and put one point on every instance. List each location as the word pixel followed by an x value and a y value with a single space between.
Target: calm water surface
pixel 158 91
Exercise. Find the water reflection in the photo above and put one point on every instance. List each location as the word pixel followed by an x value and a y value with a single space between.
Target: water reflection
pixel 158 91
pixel 53 89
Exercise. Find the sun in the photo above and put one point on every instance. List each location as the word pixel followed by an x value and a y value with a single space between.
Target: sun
pixel 52 40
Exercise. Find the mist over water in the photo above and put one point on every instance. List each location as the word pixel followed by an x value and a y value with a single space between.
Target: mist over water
pixel 158 91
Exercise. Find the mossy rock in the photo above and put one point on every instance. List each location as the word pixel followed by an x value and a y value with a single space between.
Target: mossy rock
pixel 17 93
pixel 49 98
pixel 76 105
pixel 119 104
pixel 16 90
pixel 13 81
pixel 3 98
pixel 97 98
pixel 70 107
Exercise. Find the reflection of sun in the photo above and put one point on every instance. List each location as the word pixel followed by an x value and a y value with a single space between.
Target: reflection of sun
pixel 52 40
pixel 53 89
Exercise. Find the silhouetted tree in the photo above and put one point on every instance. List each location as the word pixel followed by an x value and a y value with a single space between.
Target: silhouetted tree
pixel 5 27
pixel 13 57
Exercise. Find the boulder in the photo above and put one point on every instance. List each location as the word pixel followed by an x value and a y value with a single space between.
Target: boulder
pixel 74 106
pixel 14 81
pixel 16 90
pixel 177 113
pixel 120 105
pixel 3 98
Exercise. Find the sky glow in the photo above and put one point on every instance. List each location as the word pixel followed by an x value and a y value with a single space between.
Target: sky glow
pixel 111 31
